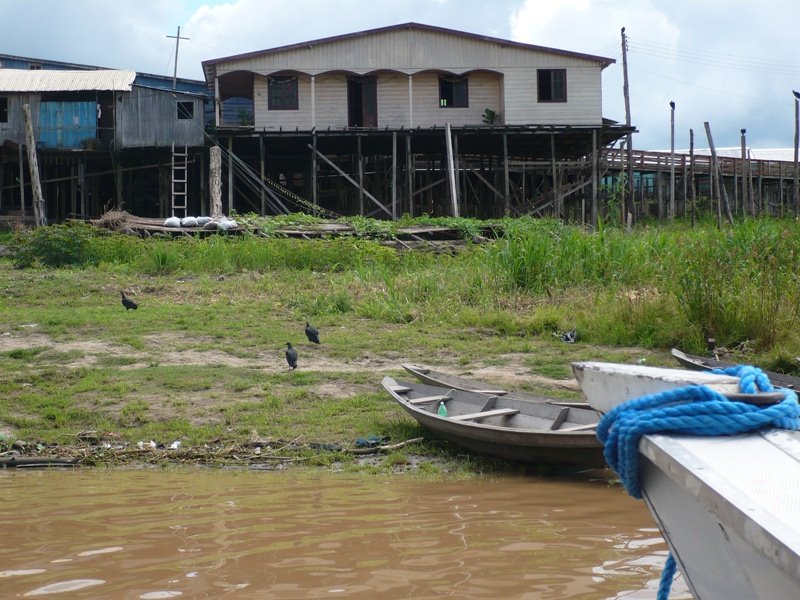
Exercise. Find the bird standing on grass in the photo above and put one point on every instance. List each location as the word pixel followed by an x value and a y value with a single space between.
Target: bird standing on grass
pixel 128 303
pixel 291 356
pixel 312 333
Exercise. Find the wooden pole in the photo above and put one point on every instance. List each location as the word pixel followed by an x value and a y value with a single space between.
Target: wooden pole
pixel 360 177
pixel 230 174
pixel 506 182
pixel 215 181
pixel 672 161
pixel 410 171
pixel 629 139
pixel 451 171
pixel 262 172
pixel 556 199
pixel 691 175
pixel 595 182
pixel 795 190
pixel 22 182
pixel 743 174
pixel 394 176
pixel 314 168
pixel 717 176
pixel 39 214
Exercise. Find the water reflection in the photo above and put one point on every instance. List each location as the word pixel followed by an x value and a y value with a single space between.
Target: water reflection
pixel 238 534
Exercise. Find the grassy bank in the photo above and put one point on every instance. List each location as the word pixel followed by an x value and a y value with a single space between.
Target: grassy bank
pixel 201 360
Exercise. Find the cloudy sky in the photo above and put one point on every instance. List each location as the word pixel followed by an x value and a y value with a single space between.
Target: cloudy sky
pixel 733 63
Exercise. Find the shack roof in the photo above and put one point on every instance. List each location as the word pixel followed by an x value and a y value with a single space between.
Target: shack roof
pixel 19 80
pixel 210 66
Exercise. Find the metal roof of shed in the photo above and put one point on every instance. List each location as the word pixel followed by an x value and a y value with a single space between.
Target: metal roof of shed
pixel 19 80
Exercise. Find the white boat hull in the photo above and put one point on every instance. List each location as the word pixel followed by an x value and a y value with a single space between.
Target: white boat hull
pixel 728 506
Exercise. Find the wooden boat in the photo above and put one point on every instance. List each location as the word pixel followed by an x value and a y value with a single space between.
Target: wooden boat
pixel 701 363
pixel 727 506
pixel 431 377
pixel 503 427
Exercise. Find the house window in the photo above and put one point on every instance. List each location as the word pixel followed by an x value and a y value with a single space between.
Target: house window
pixel 34 66
pixel 282 93
pixel 185 110
pixel 3 110
pixel 453 92
pixel 552 85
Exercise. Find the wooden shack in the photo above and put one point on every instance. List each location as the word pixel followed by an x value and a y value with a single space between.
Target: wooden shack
pixel 103 140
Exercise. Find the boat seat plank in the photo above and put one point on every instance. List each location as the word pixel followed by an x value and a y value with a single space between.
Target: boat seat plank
pixel 588 427
pixel 498 412
pixel 560 418
pixel 400 389
pixel 426 399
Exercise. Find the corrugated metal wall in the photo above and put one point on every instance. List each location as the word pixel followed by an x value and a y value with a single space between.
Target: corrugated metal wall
pixel 66 124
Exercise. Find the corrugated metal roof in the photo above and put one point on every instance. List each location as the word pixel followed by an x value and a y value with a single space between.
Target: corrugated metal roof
pixel 18 80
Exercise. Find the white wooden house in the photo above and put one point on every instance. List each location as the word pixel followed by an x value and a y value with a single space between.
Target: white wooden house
pixel 413 118
pixel 406 76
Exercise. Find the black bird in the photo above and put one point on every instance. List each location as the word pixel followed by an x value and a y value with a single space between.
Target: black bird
pixel 291 356
pixel 312 334
pixel 127 302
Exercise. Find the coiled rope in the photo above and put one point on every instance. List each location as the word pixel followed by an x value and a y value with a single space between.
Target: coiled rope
pixel 692 410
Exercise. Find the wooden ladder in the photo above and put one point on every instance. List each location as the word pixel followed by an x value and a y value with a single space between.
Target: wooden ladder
pixel 180 169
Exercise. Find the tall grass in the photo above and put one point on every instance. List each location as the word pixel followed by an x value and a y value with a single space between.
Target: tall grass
pixel 654 286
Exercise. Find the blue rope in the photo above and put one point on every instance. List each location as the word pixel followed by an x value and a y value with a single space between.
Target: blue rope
pixel 693 410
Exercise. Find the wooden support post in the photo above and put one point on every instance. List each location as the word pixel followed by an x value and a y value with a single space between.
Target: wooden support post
pixel 231 204
pixel 744 170
pixel 795 188
pixel 595 182
pixel 409 171
pixel 263 174
pixel 451 171
pixel 718 176
pixel 556 197
pixel 394 176
pixel 629 139
pixel 672 163
pixel 21 181
pixel 659 190
pixel 506 181
pixel 82 183
pixel 314 198
pixel 39 211
pixel 360 178
pixel 215 181
pixel 203 190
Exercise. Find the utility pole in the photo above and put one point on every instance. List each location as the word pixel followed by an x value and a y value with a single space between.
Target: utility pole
pixel 629 140
pixel 177 39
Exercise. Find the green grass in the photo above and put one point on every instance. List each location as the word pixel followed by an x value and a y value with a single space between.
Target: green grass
pixel 202 359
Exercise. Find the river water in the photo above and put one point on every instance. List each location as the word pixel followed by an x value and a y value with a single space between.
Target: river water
pixel 196 533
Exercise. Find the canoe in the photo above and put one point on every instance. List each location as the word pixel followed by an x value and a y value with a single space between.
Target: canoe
pixel 726 505
pixel 503 427
pixel 431 377
pixel 701 363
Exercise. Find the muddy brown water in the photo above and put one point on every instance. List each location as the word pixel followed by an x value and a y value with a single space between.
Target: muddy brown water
pixel 153 534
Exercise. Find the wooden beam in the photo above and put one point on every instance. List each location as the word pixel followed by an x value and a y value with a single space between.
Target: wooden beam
pixel 350 179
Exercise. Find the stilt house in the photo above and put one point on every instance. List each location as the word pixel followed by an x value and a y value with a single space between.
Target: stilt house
pixel 104 138
pixel 410 118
